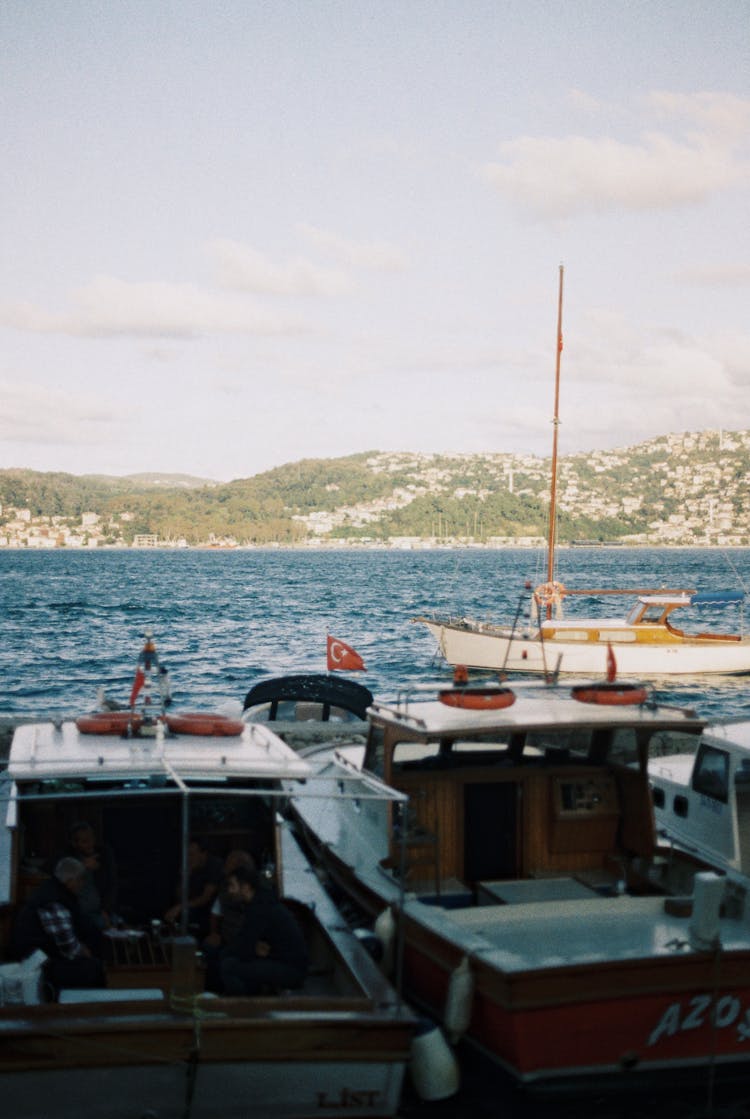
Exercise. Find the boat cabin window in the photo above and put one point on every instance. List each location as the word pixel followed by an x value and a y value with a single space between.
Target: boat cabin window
pixel 407 754
pixel 375 752
pixel 711 773
pixel 479 745
pixel 563 743
pixel 665 743
pixel 652 613
pixel 623 747
pixel 447 752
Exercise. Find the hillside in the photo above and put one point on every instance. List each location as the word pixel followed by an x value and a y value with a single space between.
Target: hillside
pixel 690 488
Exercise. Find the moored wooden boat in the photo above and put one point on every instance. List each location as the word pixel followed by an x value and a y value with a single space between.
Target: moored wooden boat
pixel 538 914
pixel 646 641
pixel 152 1041
pixel 541 641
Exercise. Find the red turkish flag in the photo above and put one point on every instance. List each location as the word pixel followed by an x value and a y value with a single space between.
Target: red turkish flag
pixel 341 657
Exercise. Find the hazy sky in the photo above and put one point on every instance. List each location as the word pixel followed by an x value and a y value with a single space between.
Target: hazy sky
pixel 240 233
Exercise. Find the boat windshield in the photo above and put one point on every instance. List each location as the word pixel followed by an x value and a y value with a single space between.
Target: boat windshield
pixel 666 743
pixel 649 613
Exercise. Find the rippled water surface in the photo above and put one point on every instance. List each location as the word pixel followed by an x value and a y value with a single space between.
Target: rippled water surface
pixel 71 621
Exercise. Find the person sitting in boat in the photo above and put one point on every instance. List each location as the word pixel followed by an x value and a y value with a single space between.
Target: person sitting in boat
pixel 227 912
pixel 205 873
pixel 51 919
pixel 98 896
pixel 225 919
pixel 269 950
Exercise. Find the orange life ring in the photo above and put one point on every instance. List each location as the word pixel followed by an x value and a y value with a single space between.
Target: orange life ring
pixel 610 695
pixel 478 699
pixel 205 724
pixel 548 593
pixel 109 722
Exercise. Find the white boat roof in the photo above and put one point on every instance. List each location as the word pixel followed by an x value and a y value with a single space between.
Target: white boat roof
pixel 731 733
pixel 537 705
pixel 665 599
pixel 46 751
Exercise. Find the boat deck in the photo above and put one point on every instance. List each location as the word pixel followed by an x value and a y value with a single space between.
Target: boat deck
pixel 566 933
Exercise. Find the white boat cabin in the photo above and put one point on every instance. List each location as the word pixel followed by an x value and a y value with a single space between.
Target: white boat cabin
pixel 702 798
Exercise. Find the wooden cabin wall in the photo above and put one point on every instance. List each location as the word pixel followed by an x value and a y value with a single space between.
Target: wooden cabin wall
pixel 551 839
pixel 437 808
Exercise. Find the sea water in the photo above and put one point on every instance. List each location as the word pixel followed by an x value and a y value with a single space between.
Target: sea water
pixel 72 621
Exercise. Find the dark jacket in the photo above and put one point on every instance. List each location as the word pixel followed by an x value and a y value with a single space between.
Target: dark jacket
pixel 269 920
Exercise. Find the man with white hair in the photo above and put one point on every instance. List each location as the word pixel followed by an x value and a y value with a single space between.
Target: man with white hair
pixel 51 919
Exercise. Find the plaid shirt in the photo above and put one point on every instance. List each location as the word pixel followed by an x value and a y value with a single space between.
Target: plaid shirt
pixel 57 922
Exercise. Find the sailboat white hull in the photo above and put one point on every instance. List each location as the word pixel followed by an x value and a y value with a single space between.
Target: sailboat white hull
pixel 479 645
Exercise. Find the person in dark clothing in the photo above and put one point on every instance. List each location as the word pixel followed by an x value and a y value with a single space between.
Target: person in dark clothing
pixel 51 919
pixel 269 949
pixel 98 896
pixel 227 915
pixel 205 874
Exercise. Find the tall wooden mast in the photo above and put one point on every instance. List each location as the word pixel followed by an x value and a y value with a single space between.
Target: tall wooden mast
pixel 555 425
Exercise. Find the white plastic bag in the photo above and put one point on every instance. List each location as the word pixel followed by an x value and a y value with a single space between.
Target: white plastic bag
pixel 21 983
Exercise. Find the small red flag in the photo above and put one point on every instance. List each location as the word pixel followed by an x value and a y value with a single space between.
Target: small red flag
pixel 559 343
pixel 140 680
pixel 341 657
pixel 611 665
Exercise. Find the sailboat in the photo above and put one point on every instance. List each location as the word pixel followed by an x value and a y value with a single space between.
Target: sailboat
pixel 645 640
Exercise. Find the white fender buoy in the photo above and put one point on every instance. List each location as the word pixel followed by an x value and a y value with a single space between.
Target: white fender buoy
pixel 705 924
pixel 457 1013
pixel 370 942
pixel 432 1064
pixel 385 931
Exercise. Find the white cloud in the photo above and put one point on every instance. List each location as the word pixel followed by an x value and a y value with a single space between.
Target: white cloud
pixel 37 414
pixel 244 268
pixel 733 350
pixel 379 256
pixel 721 115
pixel 559 177
pixel 109 306
pixel 613 355
pixel 718 275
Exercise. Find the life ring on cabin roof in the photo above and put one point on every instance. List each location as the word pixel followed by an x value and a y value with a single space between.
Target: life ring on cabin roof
pixel 610 694
pixel 205 724
pixel 109 722
pixel 549 594
pixel 478 699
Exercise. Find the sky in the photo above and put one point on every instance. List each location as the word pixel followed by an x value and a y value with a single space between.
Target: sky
pixel 239 234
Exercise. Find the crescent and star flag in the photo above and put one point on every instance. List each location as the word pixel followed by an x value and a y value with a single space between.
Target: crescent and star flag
pixel 341 657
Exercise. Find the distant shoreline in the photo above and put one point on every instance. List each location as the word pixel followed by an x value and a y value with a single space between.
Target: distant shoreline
pixel 353 547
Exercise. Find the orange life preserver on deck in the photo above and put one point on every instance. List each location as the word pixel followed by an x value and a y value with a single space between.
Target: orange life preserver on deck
pixel 204 723
pixel 610 694
pixel 478 699
pixel 109 722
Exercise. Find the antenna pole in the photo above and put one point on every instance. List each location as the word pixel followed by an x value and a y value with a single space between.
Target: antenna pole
pixel 555 425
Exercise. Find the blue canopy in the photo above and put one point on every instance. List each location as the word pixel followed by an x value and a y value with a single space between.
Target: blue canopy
pixel 716 598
